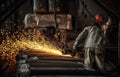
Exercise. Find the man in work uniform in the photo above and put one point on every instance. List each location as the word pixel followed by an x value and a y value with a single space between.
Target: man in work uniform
pixel 93 38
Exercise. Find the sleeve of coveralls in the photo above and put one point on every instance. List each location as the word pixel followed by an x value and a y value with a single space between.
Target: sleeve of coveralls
pixel 80 38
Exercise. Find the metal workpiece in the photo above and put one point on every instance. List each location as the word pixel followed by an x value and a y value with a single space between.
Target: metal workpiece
pixel 43 64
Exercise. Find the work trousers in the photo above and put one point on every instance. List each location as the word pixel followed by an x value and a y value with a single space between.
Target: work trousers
pixel 94 58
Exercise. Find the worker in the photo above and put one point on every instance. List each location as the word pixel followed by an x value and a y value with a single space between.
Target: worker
pixel 94 44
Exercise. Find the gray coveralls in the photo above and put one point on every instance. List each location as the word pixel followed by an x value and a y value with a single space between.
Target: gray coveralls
pixel 93 39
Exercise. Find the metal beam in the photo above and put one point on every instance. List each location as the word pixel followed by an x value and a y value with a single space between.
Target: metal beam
pixel 107 7
pixel 10 10
pixel 55 65
pixel 62 71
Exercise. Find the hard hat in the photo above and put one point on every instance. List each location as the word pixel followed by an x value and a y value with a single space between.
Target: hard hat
pixel 98 18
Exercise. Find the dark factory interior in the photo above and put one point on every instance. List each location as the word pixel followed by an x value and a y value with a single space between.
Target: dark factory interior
pixel 37 37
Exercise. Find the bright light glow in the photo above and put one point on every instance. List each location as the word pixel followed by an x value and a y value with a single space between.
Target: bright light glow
pixel 14 43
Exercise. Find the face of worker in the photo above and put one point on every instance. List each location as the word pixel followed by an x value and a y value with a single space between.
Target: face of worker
pixel 105 27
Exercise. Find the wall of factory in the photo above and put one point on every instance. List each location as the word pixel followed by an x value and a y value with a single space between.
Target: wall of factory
pixel 84 18
pixel 80 16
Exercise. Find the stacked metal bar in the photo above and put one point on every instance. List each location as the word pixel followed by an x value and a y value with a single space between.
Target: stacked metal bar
pixel 33 64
